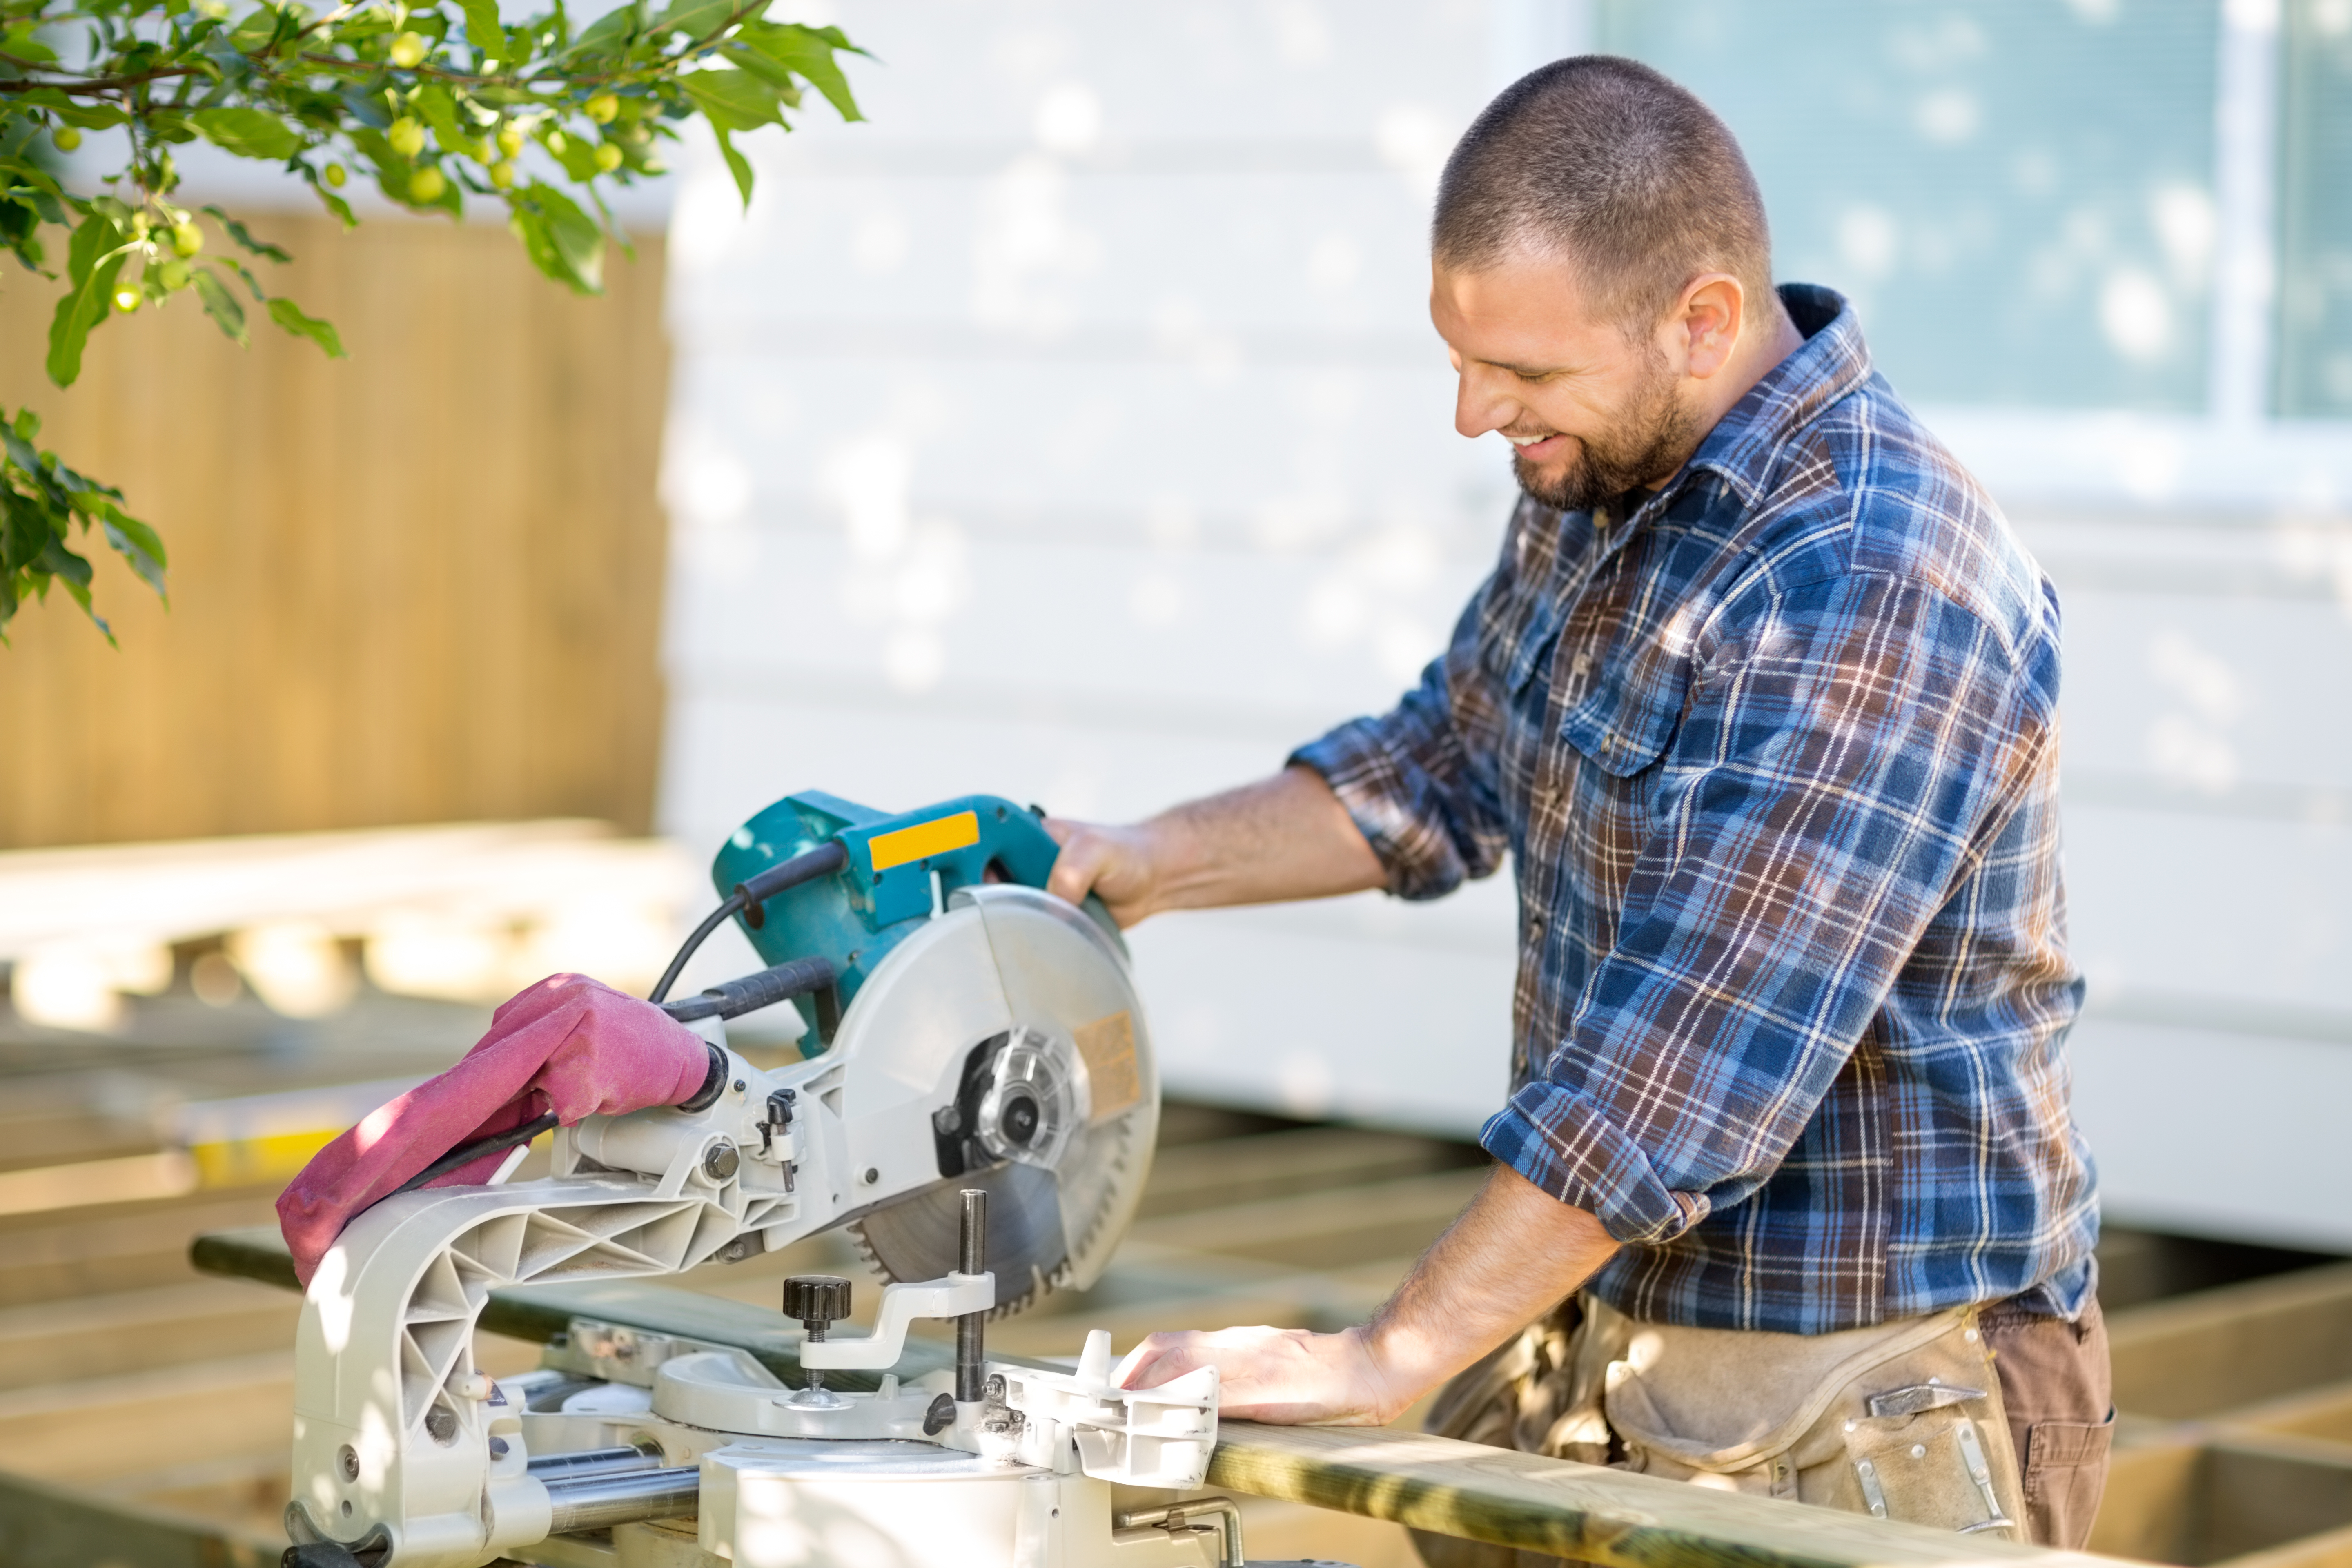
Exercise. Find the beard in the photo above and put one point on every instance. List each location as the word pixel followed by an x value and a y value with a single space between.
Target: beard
pixel 1650 438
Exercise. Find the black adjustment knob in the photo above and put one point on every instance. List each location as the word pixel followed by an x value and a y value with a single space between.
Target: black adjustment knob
pixel 817 1301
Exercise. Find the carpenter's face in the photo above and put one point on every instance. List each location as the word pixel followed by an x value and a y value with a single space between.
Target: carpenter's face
pixel 1590 411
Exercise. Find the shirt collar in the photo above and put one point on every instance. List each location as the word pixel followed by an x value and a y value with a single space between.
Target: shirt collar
pixel 1833 361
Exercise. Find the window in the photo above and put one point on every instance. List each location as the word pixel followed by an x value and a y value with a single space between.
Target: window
pixel 2018 194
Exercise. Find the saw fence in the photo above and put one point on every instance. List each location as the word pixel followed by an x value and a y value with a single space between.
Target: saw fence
pixel 144 1420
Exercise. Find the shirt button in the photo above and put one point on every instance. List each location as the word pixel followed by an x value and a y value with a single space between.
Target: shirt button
pixel 1536 923
pixel 1579 664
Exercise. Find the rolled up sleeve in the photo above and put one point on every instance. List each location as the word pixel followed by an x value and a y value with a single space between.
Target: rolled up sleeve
pixel 1420 780
pixel 1837 772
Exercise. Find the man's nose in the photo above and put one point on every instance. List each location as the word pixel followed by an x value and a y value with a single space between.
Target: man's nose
pixel 1480 403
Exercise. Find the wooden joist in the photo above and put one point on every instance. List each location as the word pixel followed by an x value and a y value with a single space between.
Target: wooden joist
pixel 47 1526
pixel 2200 1354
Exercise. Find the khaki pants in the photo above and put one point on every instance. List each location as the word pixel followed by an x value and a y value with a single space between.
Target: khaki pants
pixel 1539 1393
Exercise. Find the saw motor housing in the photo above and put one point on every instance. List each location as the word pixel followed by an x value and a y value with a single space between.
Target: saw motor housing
pixel 981 1035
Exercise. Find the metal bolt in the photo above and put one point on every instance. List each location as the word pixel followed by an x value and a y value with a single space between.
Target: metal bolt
pixel 1919 1450
pixel 498 1447
pixel 722 1161
pixel 739 1086
pixel 349 1458
pixel 872 1175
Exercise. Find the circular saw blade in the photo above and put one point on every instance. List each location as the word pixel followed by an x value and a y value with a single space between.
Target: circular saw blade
pixel 1049 1226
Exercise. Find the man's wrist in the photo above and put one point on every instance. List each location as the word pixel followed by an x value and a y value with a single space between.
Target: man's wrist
pixel 1397 1366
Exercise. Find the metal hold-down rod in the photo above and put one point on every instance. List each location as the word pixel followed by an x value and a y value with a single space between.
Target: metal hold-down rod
pixel 580 1462
pixel 599 1502
pixel 971 1248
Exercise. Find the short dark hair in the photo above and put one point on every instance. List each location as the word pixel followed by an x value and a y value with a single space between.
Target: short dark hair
pixel 1621 173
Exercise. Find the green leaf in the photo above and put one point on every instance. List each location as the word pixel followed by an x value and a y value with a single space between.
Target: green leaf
pixel 737 165
pixel 563 242
pixel 288 315
pixel 482 29
pixel 94 266
pixel 248 133
pixel 609 33
pixel 732 100
pixel 697 19
pixel 744 57
pixel 809 51
pixel 27 425
pixel 576 154
pixel 236 231
pixel 437 108
pixel 260 296
pixel 222 306
pixel 136 543
pixel 99 234
pixel 73 112
pixel 337 206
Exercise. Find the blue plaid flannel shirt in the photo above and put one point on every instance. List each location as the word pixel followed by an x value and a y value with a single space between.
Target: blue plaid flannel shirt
pixel 1775 758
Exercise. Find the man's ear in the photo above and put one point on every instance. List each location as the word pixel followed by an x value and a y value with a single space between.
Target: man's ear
pixel 1707 320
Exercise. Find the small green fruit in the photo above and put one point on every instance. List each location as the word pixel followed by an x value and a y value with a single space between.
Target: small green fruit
pixel 608 158
pixel 510 141
pixel 408 50
pixel 187 238
pixel 335 175
pixel 426 186
pixel 66 138
pixel 502 174
pixel 603 109
pixel 173 274
pixel 406 136
pixel 126 298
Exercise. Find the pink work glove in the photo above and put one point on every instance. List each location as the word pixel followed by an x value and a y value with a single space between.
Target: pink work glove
pixel 567 1045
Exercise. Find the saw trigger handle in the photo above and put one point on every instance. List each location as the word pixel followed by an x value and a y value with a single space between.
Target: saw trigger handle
pixel 793 977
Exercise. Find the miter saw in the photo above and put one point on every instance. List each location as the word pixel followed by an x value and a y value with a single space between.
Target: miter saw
pixel 977 1098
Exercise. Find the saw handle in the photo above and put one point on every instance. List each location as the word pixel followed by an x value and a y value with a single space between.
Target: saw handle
pixel 793 977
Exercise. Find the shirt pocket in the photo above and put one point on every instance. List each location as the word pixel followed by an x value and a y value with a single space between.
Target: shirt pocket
pixel 1622 706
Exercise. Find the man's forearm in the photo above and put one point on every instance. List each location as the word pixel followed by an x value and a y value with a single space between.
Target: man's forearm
pixel 1507 1260
pixel 1280 839
pixel 1509 1257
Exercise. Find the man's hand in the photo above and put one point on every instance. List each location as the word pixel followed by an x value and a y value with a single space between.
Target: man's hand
pixel 1119 865
pixel 1506 1261
pixel 1281 838
pixel 1287 1376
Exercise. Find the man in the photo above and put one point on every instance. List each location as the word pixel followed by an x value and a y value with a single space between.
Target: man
pixel 1761 702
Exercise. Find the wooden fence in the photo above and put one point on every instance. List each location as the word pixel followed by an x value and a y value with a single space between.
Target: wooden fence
pixel 422 583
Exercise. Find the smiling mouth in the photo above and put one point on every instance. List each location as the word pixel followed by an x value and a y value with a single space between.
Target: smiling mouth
pixel 1527 446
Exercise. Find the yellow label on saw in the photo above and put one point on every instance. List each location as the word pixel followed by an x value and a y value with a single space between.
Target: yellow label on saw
pixel 1107 1048
pixel 924 839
